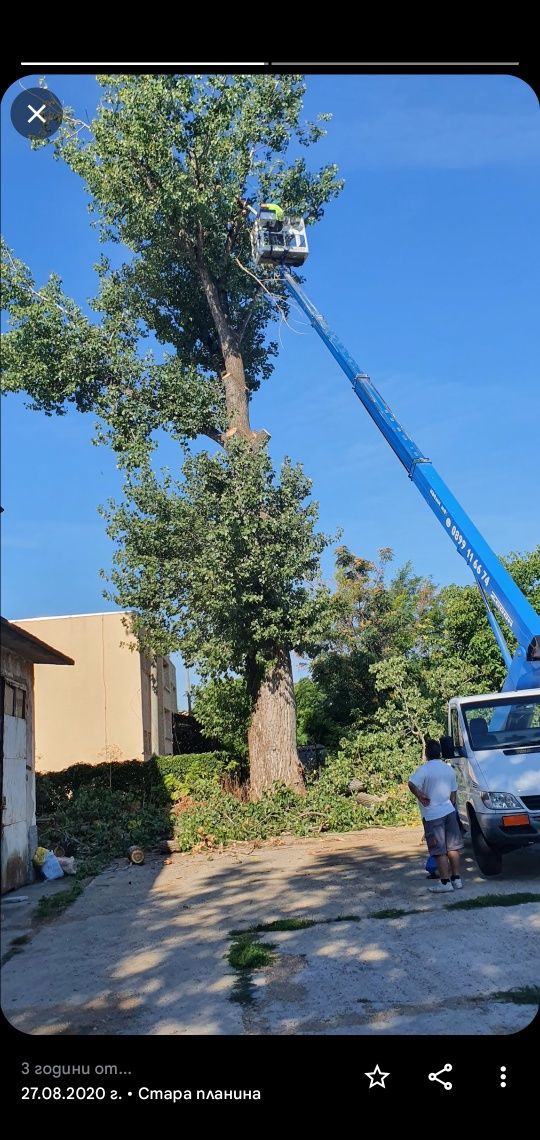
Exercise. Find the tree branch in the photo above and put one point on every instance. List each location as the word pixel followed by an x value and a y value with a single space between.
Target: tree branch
pixel 35 292
pixel 272 296
pixel 213 433
pixel 249 313
pixel 226 334
pixel 79 124
pixel 156 189
pixel 229 242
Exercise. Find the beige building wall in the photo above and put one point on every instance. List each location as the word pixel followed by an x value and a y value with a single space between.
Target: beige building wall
pixel 91 712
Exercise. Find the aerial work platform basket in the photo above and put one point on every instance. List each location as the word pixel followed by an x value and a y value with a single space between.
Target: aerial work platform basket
pixel 278 241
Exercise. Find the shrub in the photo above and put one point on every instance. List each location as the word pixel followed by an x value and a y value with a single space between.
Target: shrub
pixel 217 818
pixel 97 811
pixel 194 766
pixel 103 809
pixel 102 823
pixel 54 789
pixel 378 758
pixel 223 708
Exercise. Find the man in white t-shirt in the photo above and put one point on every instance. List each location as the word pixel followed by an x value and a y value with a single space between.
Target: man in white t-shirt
pixel 434 785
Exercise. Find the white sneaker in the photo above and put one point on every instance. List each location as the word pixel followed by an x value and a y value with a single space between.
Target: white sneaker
pixel 457 884
pixel 441 888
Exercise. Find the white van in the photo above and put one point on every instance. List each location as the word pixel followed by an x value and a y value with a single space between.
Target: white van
pixel 494 748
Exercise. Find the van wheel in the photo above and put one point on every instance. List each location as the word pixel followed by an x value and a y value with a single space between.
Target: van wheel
pixel 489 860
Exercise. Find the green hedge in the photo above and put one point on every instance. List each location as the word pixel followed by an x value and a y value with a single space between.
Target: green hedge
pixel 194 765
pixel 56 789
pixel 98 811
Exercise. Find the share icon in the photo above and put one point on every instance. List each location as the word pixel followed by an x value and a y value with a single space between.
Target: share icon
pixel 436 1077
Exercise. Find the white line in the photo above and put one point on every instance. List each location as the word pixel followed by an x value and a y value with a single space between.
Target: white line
pixel 116 63
pixel 284 63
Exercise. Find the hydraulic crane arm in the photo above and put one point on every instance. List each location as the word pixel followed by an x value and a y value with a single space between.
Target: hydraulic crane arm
pixel 498 588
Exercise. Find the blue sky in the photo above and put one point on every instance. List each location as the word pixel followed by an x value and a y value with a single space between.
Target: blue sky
pixel 427 266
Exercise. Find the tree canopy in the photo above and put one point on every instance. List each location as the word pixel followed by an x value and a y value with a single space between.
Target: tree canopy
pixel 398 649
pixel 169 163
pixel 223 562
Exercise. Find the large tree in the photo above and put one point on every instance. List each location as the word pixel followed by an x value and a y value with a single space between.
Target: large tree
pixel 221 564
pixel 375 614
pixel 398 651
pixel 458 624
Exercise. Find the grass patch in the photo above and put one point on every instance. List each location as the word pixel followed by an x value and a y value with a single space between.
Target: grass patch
pixel 10 954
pixel 51 905
pixel 494 900
pixel 293 924
pixel 247 953
pixel 284 924
pixel 15 948
pixel 390 913
pixel 525 995
pixel 243 991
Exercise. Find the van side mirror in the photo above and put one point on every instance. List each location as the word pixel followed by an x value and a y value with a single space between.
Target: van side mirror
pixel 447 748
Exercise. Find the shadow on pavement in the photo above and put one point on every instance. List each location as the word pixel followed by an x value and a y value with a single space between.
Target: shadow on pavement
pixel 143 951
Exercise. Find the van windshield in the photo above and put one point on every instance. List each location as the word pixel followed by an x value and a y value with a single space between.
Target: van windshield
pixel 510 723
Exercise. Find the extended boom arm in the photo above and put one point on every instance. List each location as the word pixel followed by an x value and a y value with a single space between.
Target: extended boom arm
pixel 497 586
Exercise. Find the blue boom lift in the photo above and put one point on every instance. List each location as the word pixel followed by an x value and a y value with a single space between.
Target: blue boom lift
pixel 505 724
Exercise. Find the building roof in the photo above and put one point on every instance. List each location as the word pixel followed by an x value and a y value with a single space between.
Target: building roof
pixel 68 617
pixel 17 640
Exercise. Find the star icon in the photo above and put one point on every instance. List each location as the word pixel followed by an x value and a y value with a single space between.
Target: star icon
pixel 381 1077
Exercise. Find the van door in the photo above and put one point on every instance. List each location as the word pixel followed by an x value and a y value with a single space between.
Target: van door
pixel 459 763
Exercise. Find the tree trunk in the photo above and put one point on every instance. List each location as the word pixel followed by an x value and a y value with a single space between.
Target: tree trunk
pixel 234 383
pixel 272 732
pixel 233 375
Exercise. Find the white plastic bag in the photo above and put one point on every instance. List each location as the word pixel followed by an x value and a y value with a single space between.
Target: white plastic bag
pixel 67 864
pixel 51 868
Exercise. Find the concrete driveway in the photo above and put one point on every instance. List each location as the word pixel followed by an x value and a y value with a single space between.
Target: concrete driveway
pixel 143 950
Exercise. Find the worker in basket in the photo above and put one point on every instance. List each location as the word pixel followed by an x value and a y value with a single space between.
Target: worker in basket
pixel 272 215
